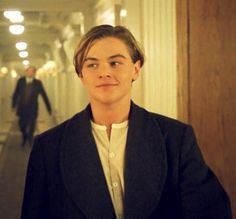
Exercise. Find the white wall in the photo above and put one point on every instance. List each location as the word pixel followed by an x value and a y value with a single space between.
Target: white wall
pixel 7 85
pixel 153 22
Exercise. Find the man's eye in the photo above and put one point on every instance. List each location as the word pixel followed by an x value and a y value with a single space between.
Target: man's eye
pixel 114 63
pixel 92 65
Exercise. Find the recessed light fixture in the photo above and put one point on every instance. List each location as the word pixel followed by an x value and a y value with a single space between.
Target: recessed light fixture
pixel 14 16
pixel 23 54
pixel 21 45
pixel 16 29
pixel 25 62
pixel 17 19
pixel 11 14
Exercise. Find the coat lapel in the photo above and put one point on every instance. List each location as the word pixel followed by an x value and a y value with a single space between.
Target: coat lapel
pixel 82 170
pixel 144 174
pixel 145 168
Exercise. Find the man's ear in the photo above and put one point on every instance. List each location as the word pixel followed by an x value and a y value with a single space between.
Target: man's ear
pixel 137 69
pixel 80 75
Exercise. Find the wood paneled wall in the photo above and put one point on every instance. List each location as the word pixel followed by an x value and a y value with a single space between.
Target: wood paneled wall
pixel 206 32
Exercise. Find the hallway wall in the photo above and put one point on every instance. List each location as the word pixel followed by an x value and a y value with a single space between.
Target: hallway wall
pixel 160 43
pixel 7 84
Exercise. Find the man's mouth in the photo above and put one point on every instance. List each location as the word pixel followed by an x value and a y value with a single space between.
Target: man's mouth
pixel 106 85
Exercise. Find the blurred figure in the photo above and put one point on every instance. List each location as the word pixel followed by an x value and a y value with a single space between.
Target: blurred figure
pixel 25 100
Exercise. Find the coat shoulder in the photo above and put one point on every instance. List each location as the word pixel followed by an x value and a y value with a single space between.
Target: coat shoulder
pixel 168 124
pixel 55 134
pixel 21 79
pixel 165 123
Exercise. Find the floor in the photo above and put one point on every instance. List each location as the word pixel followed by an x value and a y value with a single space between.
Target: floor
pixel 13 164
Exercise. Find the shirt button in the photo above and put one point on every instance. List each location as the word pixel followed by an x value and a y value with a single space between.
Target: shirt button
pixel 111 155
pixel 115 184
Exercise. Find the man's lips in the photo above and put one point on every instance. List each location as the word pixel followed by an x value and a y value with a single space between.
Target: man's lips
pixel 106 85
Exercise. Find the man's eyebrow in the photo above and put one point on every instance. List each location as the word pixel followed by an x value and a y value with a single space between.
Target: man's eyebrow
pixel 110 57
pixel 91 59
pixel 117 56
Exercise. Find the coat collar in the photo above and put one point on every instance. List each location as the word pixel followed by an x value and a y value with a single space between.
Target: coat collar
pixel 145 166
pixel 145 169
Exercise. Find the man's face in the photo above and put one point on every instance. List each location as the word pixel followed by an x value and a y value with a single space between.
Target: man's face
pixel 108 71
pixel 30 72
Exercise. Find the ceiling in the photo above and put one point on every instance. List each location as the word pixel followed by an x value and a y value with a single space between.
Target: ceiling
pixel 45 23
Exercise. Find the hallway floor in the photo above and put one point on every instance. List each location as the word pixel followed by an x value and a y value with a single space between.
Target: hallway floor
pixel 13 164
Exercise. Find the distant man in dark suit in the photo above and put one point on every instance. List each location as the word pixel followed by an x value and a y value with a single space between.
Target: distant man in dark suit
pixel 115 159
pixel 25 100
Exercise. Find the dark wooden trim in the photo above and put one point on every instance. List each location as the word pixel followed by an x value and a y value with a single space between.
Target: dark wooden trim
pixel 182 24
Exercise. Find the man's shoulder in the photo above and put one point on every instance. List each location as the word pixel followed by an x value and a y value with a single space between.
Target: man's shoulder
pixel 168 121
pixel 21 79
pixel 38 81
pixel 161 119
pixel 57 131
pixel 166 124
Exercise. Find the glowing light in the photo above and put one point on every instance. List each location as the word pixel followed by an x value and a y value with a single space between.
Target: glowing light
pixel 25 62
pixel 21 45
pixel 16 29
pixel 49 65
pixel 23 54
pixel 4 70
pixel 14 16
pixel 123 13
pixel 13 73
pixel 11 14
pixel 17 19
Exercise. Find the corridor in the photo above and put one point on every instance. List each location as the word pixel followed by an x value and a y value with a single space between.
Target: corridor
pixel 13 164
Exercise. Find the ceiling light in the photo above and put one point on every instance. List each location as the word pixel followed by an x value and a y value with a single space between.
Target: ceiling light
pixel 25 62
pixel 21 45
pixel 23 54
pixel 11 14
pixel 17 19
pixel 16 29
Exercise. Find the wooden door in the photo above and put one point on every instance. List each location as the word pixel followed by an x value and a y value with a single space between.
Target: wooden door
pixel 206 32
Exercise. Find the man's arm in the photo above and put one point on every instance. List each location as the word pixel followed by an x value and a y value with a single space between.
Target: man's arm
pixel 45 98
pixel 202 195
pixel 16 94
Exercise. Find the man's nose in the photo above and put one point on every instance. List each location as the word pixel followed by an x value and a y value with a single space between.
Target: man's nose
pixel 104 71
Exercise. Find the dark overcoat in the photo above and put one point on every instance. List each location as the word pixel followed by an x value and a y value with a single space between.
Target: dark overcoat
pixel 32 104
pixel 165 175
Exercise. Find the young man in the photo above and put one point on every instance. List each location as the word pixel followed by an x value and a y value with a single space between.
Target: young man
pixel 115 159
pixel 25 100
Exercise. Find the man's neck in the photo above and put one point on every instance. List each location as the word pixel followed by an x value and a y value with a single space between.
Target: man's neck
pixel 108 114
pixel 29 79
